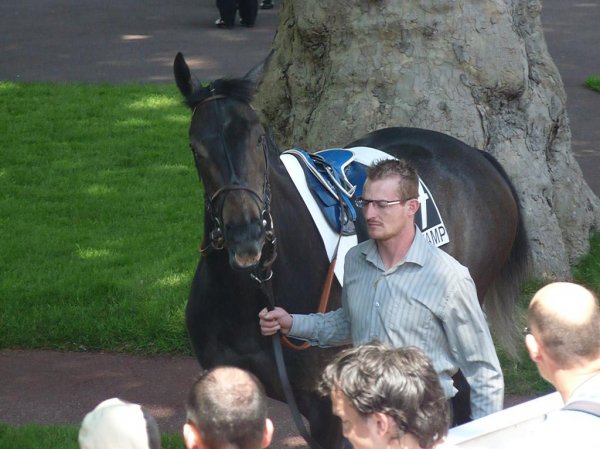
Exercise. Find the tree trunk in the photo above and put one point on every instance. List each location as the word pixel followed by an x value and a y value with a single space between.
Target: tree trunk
pixel 478 70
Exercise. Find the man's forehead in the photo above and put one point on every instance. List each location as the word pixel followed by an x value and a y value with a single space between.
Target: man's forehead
pixel 392 182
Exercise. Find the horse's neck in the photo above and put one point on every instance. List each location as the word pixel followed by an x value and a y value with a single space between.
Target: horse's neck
pixel 281 182
pixel 287 204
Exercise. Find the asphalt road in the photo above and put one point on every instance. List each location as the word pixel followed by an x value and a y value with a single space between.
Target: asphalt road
pixel 136 41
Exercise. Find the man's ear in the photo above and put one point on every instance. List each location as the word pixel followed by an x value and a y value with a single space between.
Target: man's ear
pixel 191 437
pixel 413 206
pixel 383 423
pixel 268 433
pixel 533 348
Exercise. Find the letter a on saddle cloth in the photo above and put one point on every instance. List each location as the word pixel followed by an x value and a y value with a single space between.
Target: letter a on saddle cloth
pixel 428 219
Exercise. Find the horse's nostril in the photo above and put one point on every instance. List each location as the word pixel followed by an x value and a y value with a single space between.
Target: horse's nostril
pixel 240 234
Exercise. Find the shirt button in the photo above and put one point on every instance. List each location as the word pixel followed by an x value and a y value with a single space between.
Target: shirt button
pixel 376 304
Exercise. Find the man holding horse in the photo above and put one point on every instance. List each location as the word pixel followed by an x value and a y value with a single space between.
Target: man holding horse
pixel 403 291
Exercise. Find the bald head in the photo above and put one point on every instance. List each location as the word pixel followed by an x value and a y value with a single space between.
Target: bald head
pixel 228 406
pixel 565 318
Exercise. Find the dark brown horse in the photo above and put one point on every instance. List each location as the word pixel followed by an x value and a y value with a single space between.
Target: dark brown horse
pixel 250 201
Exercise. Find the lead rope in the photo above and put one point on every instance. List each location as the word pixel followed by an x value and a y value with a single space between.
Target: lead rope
pixel 267 289
pixel 263 276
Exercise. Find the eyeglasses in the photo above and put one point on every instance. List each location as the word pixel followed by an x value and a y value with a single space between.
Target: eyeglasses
pixel 379 204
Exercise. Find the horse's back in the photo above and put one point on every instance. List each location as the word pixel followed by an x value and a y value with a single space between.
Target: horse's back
pixel 475 201
pixel 429 151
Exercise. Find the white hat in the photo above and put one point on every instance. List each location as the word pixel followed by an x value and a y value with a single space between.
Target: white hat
pixel 116 424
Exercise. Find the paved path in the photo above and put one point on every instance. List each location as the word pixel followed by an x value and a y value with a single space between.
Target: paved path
pixel 128 41
pixel 136 41
pixel 572 33
pixel 49 387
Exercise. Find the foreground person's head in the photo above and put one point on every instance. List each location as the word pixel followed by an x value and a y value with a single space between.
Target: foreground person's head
pixel 227 407
pixel 387 397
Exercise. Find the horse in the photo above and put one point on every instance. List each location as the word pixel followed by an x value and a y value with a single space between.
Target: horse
pixel 251 203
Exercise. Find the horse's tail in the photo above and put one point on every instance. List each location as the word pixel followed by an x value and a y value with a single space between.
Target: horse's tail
pixel 501 300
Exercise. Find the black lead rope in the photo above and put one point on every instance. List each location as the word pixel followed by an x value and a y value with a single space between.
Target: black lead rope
pixel 267 289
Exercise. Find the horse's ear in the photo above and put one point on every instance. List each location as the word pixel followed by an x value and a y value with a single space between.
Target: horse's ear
pixel 257 72
pixel 183 77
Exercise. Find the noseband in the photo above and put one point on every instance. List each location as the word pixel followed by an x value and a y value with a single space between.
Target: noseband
pixel 214 204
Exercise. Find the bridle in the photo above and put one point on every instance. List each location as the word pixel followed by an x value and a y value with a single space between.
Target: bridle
pixel 263 272
pixel 215 202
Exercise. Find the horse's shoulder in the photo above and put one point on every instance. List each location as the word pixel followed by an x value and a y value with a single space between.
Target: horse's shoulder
pixel 454 269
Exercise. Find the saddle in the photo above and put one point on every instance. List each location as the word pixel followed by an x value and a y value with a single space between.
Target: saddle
pixel 333 178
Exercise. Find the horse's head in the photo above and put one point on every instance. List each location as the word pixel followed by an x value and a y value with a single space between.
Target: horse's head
pixel 230 150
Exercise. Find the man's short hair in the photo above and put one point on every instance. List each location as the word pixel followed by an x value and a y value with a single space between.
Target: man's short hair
pixel 568 341
pixel 399 382
pixel 228 406
pixel 397 168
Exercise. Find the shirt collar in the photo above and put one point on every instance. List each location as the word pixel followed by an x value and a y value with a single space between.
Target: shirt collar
pixel 586 390
pixel 417 253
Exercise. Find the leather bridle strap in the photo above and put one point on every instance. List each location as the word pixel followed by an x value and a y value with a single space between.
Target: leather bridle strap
pixel 215 212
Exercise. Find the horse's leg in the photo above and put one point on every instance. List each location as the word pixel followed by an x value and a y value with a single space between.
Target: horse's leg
pixel 325 427
pixel 197 327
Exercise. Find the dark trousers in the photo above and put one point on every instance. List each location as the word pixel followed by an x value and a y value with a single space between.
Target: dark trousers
pixel 461 402
pixel 247 8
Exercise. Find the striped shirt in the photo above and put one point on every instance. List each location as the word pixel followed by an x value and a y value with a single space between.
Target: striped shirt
pixel 429 301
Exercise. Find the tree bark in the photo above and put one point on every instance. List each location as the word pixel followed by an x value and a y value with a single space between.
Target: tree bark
pixel 478 70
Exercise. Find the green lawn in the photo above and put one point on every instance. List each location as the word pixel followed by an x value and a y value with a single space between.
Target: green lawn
pixel 101 217
pixel 34 436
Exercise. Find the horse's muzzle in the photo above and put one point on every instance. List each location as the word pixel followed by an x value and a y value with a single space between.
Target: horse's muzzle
pixel 244 261
pixel 246 254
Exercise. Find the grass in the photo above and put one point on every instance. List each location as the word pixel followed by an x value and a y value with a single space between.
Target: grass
pixel 101 217
pixel 35 436
pixel 587 272
pixel 593 82
pixel 521 376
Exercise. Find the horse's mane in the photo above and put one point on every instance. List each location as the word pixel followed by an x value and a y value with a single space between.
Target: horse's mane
pixel 240 89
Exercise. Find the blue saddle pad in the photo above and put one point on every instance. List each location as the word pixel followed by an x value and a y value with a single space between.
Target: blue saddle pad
pixel 333 178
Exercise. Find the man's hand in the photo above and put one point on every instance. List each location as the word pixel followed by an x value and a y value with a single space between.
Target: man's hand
pixel 276 319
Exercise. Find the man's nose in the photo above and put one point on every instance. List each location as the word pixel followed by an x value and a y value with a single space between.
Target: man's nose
pixel 369 210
